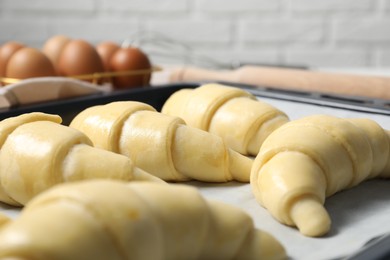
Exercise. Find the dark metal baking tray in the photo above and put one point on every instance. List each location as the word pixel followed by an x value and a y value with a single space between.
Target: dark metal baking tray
pixel 355 103
pixel 69 108
pixel 156 96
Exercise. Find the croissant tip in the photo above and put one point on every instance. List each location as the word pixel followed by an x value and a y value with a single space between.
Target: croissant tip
pixel 271 248
pixel 310 216
pixel 141 175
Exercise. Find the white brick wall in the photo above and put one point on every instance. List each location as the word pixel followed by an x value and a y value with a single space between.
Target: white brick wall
pixel 331 33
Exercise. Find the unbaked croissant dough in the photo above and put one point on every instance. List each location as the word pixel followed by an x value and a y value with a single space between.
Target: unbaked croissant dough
pixel 38 152
pixel 307 160
pixel 107 219
pixel 232 113
pixel 161 144
pixel 3 220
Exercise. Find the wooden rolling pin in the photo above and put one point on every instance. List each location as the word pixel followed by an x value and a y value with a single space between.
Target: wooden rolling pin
pixel 377 87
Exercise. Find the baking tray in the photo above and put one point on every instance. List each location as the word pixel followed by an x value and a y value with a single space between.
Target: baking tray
pixel 69 108
pixel 156 96
pixel 374 248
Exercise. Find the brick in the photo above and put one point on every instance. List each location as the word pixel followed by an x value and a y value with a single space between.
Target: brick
pixel 286 31
pixel 231 57
pixel 49 5
pixel 26 31
pixel 188 31
pixel 362 31
pixel 234 6
pixel 328 58
pixel 149 6
pixel 94 30
pixel 383 59
pixel 331 5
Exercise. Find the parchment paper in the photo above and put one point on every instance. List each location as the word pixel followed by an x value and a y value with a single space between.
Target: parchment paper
pixel 358 214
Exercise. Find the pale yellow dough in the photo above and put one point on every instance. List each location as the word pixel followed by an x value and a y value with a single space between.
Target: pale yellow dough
pixel 160 144
pixel 232 113
pixel 38 152
pixel 3 220
pixel 107 219
pixel 307 160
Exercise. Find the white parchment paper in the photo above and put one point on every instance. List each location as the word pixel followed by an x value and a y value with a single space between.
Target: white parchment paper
pixel 358 214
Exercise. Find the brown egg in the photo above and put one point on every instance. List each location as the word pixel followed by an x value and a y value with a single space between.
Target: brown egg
pixel 79 58
pixel 106 50
pixel 6 51
pixel 28 63
pixel 130 59
pixel 53 48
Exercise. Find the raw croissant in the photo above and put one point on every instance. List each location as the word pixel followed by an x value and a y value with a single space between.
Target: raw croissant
pixel 38 152
pixel 3 220
pixel 107 219
pixel 232 113
pixel 160 144
pixel 307 160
